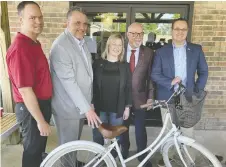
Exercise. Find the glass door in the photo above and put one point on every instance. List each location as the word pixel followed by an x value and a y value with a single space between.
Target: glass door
pixel 103 21
pixel 109 17
pixel 157 23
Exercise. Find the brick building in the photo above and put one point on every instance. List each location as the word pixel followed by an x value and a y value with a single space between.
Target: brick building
pixel 208 29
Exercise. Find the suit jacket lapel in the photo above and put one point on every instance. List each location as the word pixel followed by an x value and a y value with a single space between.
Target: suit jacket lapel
pixel 89 59
pixel 170 56
pixel 188 57
pixel 140 58
pixel 77 49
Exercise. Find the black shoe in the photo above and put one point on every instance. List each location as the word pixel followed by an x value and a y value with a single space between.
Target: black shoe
pixel 161 163
pixel 101 164
pixel 148 164
pixel 220 158
pixel 125 153
pixel 80 164
pixel 44 155
pixel 114 153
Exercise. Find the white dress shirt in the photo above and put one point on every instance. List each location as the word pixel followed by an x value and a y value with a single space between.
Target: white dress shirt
pixel 81 44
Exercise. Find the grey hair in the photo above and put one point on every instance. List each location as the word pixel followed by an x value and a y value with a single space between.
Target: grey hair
pixel 73 9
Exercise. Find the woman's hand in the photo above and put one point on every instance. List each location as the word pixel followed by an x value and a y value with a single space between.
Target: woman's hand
pixel 126 113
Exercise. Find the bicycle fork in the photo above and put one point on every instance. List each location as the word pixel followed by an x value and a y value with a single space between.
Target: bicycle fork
pixel 178 148
pixel 100 156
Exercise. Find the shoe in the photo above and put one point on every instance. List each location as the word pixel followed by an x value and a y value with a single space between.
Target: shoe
pixel 125 153
pixel 220 158
pixel 101 164
pixel 44 155
pixel 80 164
pixel 148 164
pixel 114 153
pixel 161 163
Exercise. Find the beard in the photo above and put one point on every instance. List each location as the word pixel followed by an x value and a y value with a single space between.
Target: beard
pixel 137 44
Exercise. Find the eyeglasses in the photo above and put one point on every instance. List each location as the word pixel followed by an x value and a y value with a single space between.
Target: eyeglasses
pixel 78 24
pixel 178 29
pixel 135 34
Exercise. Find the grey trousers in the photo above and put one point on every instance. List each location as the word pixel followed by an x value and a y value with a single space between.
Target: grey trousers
pixel 68 129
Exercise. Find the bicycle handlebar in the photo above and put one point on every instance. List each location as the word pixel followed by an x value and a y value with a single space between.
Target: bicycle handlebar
pixel 159 103
pixel 154 104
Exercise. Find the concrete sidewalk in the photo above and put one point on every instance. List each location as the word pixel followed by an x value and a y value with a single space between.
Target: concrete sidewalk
pixel 215 141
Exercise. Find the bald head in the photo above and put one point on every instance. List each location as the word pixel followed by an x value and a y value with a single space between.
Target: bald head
pixel 135 35
pixel 135 27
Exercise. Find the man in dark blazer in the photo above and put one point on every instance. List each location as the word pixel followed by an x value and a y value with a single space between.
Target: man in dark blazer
pixel 140 59
pixel 179 62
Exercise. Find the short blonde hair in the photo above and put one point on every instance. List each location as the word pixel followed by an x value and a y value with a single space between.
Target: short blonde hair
pixel 110 39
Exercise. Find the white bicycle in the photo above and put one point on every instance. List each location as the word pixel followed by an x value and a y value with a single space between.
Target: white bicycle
pixel 177 150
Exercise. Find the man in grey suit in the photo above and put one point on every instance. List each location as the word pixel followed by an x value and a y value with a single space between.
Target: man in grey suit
pixel 72 76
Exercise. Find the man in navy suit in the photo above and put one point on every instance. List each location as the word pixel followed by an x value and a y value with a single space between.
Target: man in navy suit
pixel 179 62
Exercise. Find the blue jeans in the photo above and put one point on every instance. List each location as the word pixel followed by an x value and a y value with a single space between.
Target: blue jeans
pixel 109 118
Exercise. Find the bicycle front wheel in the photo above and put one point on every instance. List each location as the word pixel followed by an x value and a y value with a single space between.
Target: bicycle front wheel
pixel 194 155
pixel 78 154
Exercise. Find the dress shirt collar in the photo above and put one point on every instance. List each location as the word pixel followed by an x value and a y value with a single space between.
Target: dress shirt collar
pixel 79 42
pixel 184 45
pixel 130 48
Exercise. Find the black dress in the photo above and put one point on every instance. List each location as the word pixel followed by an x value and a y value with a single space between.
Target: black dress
pixel 110 86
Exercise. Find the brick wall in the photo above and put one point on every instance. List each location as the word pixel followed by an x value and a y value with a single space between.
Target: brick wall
pixel 209 30
pixel 54 17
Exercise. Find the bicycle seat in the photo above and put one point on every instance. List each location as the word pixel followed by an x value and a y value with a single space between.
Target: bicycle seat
pixel 111 132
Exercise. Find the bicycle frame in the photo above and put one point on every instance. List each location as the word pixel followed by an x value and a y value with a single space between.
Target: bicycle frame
pixel 152 148
pixel 159 141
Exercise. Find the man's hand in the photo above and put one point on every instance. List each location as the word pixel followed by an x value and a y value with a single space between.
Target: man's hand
pixel 149 101
pixel 175 81
pixel 92 118
pixel 92 105
pixel 44 128
pixel 126 113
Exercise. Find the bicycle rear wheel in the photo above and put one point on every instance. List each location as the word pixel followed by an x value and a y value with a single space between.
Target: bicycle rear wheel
pixel 78 154
pixel 194 155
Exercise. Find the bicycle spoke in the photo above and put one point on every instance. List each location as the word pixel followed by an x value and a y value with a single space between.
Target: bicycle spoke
pixel 79 159
pixel 199 160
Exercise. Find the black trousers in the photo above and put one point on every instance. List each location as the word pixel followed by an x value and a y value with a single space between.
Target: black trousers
pixel 34 144
pixel 140 133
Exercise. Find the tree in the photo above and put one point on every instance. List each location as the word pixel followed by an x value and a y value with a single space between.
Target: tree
pixel 151 27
